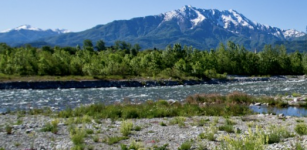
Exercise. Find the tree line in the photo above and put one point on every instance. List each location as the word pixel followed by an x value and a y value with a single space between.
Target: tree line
pixel 125 59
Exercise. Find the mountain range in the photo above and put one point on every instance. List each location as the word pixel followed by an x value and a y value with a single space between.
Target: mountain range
pixel 200 28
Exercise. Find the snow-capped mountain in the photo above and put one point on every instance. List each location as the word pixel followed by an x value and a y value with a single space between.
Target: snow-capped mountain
pixel 27 33
pixel 200 28
pixel 230 20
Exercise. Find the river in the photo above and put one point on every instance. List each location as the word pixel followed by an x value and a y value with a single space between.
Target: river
pixel 62 98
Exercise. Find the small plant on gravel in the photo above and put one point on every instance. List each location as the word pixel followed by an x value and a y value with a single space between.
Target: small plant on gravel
pixel 8 129
pixel 96 138
pixel 89 131
pixel 163 147
pixel 1 148
pixel 49 127
pixel 162 123
pixel 178 120
pixel 299 121
pixel 253 141
pixel 77 136
pixel 126 127
pixel 277 133
pixel 133 145
pixel 137 128
pixel 301 129
pixel 227 128
pixel 209 133
pixel 185 145
pixel 299 146
pixel 113 139
pixel 78 147
pixel 90 147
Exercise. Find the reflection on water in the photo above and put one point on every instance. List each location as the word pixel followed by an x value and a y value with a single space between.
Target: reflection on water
pixel 62 98
pixel 289 111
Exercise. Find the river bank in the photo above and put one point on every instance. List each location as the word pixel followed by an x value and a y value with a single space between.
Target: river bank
pixel 132 83
pixel 27 132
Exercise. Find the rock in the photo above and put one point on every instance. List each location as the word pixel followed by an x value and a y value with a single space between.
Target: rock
pixel 257 104
pixel 29 131
pixel 281 115
pixel 260 115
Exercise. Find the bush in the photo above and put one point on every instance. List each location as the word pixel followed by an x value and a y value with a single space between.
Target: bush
pixel 301 129
pixel 126 127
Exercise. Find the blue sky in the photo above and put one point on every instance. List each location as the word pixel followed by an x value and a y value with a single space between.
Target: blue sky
pixel 78 15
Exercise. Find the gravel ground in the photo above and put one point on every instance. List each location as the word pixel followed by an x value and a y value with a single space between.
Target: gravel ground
pixel 27 134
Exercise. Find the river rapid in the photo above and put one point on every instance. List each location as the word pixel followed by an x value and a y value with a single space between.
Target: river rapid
pixel 62 98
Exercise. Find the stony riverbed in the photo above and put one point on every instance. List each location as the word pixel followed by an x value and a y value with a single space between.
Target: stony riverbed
pixel 27 132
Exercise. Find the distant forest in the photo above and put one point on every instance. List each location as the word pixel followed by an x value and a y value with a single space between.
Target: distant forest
pixel 123 59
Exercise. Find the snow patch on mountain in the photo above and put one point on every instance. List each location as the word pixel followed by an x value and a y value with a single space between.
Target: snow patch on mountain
pixel 29 27
pixel 198 20
pixel 291 33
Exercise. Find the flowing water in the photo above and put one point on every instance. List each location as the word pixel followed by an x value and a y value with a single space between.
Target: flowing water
pixel 62 98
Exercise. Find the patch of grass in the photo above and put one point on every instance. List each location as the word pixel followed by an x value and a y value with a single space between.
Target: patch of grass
pixel 89 131
pixel 178 120
pixel 162 123
pixel 51 127
pixel 77 136
pixel 227 128
pixel 252 141
pixel 185 145
pixel 126 127
pixel 90 147
pixel 299 146
pixel 299 121
pixel 137 128
pixel 96 138
pixel 294 94
pixel 301 129
pixel 8 129
pixel 114 139
pixel 163 147
pixel 78 147
pixel 276 133
pixel 133 145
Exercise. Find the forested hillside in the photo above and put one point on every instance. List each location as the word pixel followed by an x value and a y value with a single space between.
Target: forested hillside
pixel 123 59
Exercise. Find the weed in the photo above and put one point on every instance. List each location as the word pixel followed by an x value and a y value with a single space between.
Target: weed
pixel 227 128
pixel 299 146
pixel 90 147
pixel 299 121
pixel 277 133
pixel 185 145
pixel 137 128
pixel 178 120
pixel 301 129
pixel 163 147
pixel 77 136
pixel 126 127
pixel 252 141
pixel 89 131
pixel 113 139
pixel 8 129
pixel 96 138
pixel 162 124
